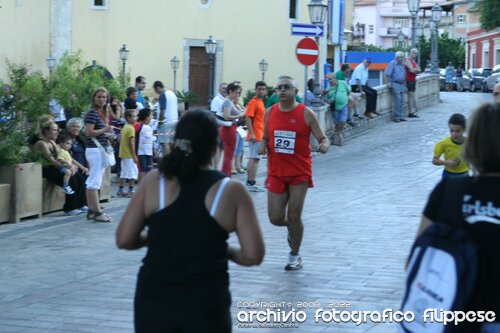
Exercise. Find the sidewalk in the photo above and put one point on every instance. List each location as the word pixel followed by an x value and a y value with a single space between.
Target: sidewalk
pixel 64 274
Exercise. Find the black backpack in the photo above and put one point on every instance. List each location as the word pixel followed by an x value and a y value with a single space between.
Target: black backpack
pixel 441 273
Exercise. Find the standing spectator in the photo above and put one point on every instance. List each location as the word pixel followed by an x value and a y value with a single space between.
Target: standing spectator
pixel 144 139
pixel 216 104
pixel 452 149
pixel 254 116
pixel 359 83
pixel 459 74
pixel 309 94
pixel 342 75
pixel 128 155
pixel 216 108
pixel 473 204
pixel 97 131
pixel 132 93
pixel 57 111
pixel 338 97
pixel 287 131
pixel 496 93
pixel 396 82
pixel 449 75
pixel 116 112
pixel 140 84
pixel 168 114
pixel 228 133
pixel 412 69
pixel 52 170
pixel 186 264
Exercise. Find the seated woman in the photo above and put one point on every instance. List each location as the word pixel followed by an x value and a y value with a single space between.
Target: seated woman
pixel 190 211
pixel 48 132
pixel 73 129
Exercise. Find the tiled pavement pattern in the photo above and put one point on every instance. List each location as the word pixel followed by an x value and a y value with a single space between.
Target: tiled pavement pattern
pixel 63 274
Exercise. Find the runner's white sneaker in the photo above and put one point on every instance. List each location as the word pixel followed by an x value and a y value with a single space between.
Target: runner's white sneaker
pixel 255 188
pixel 294 263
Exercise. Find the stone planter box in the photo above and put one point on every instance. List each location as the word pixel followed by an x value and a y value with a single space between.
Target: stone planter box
pixel 26 190
pixel 4 202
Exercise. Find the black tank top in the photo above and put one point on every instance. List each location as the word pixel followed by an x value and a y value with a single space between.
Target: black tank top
pixel 187 249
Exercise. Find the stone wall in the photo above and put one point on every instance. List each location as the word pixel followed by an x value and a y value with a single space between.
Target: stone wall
pixel 427 94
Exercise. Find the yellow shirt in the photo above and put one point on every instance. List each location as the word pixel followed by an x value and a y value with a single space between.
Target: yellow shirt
pixel 64 155
pixel 128 132
pixel 450 150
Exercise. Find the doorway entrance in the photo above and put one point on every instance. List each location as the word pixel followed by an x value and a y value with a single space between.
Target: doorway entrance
pixel 198 73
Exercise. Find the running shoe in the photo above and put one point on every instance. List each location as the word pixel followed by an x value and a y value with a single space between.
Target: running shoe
pixel 68 190
pixel 122 194
pixel 413 115
pixel 294 263
pixel 255 188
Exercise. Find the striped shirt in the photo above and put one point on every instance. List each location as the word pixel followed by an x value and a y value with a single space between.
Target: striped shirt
pixel 93 117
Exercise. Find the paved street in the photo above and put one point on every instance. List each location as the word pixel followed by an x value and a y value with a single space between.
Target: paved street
pixel 63 274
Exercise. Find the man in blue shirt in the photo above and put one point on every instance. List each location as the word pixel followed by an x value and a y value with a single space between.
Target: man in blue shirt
pixel 140 84
pixel 395 74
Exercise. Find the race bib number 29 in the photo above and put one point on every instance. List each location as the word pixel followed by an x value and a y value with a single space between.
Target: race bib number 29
pixel 284 142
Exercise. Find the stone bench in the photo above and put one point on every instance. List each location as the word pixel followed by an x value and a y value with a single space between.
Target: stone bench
pixel 53 196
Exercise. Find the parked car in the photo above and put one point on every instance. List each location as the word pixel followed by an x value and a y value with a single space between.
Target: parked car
pixel 466 81
pixel 493 79
pixel 478 75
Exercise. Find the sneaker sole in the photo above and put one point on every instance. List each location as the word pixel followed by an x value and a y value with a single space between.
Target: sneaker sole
pixel 293 268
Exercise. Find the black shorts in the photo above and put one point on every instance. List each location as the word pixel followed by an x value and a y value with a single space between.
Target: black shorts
pixel 145 163
pixel 411 86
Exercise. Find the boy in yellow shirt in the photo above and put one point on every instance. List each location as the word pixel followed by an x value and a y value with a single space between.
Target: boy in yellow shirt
pixel 452 148
pixel 128 155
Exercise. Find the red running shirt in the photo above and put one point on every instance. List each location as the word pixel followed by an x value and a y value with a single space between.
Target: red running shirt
pixel 289 143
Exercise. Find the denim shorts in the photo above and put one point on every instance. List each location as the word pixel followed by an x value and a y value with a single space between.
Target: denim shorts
pixel 145 163
pixel 340 115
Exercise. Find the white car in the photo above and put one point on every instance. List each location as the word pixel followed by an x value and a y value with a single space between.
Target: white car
pixel 493 79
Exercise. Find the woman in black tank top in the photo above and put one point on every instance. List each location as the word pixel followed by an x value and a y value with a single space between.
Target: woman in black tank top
pixel 183 213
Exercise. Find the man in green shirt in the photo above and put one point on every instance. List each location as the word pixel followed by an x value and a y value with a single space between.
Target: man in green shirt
pixel 338 97
pixel 342 75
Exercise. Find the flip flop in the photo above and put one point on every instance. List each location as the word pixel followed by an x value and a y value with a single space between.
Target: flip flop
pixel 101 217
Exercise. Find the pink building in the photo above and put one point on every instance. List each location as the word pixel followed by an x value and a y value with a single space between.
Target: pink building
pixel 483 48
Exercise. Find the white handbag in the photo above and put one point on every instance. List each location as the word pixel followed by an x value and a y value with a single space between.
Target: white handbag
pixel 107 154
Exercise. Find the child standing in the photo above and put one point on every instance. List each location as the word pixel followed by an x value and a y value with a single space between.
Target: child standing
pixel 452 148
pixel 144 141
pixel 128 155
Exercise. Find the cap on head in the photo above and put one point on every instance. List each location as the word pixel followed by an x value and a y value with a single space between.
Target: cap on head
pixel 368 60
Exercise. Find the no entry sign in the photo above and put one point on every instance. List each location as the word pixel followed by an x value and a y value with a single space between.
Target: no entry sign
pixel 307 51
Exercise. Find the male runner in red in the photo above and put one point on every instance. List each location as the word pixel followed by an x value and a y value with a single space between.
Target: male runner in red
pixel 287 131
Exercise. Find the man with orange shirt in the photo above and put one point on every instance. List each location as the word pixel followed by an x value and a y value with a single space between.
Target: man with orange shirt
pixel 287 129
pixel 254 117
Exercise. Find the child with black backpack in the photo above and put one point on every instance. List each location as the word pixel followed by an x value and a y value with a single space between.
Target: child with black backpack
pixel 461 226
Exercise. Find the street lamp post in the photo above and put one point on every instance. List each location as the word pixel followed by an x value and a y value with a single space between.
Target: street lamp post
pixel 413 7
pixel 401 38
pixel 51 64
pixel 433 24
pixel 124 52
pixel 420 33
pixel 210 48
pixel 174 64
pixel 263 67
pixel 318 10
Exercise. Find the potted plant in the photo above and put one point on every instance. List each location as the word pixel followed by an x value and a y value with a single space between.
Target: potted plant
pixel 22 102
pixel 187 97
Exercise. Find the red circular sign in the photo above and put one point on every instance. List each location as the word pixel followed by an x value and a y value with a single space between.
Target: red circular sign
pixel 307 51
